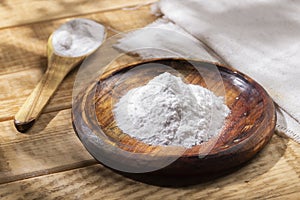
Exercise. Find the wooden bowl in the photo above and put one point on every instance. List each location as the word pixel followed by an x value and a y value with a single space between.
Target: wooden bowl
pixel 247 129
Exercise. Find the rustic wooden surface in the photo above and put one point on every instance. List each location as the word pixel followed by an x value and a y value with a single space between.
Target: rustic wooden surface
pixel 50 163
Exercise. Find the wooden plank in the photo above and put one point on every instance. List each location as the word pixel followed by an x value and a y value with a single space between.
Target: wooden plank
pixel 274 173
pixel 50 146
pixel 24 47
pixel 16 87
pixel 18 12
pixel 24 62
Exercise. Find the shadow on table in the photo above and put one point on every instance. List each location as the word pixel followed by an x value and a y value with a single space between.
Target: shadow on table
pixel 48 115
pixel 41 123
pixel 257 166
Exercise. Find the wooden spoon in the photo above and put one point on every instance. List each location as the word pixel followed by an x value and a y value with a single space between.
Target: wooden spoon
pixel 58 68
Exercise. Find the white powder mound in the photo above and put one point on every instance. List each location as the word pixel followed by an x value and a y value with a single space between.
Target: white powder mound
pixel 78 37
pixel 167 111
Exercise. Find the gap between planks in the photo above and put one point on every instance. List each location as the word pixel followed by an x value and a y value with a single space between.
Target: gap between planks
pixel 129 6
pixel 45 172
pixel 50 146
pixel 26 45
pixel 17 84
pixel 258 179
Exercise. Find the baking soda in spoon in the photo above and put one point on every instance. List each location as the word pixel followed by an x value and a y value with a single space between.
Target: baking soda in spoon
pixel 78 37
pixel 67 47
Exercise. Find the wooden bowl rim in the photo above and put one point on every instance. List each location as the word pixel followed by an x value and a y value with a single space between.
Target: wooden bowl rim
pixel 226 68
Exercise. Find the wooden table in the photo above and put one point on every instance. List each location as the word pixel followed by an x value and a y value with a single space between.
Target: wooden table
pixel 50 162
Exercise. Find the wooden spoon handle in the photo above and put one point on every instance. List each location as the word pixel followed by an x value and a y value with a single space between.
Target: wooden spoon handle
pixel 39 97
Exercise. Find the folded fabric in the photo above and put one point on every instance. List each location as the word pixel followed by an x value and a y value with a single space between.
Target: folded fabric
pixel 163 39
pixel 260 38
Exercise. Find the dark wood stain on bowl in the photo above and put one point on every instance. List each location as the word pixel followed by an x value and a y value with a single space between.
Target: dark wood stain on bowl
pixel 247 130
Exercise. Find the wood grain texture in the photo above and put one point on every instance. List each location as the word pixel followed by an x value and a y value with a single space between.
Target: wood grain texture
pixel 53 149
pixel 24 47
pixel 273 174
pixel 23 58
pixel 19 12
pixel 21 85
pixel 50 146
pixel 247 129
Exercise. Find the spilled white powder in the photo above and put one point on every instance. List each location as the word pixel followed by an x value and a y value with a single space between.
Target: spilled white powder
pixel 166 111
pixel 78 37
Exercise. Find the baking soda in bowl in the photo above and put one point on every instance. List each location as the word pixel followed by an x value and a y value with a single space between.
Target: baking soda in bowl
pixel 167 111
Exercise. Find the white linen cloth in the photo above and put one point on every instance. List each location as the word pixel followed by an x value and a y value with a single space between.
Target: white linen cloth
pixel 260 38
